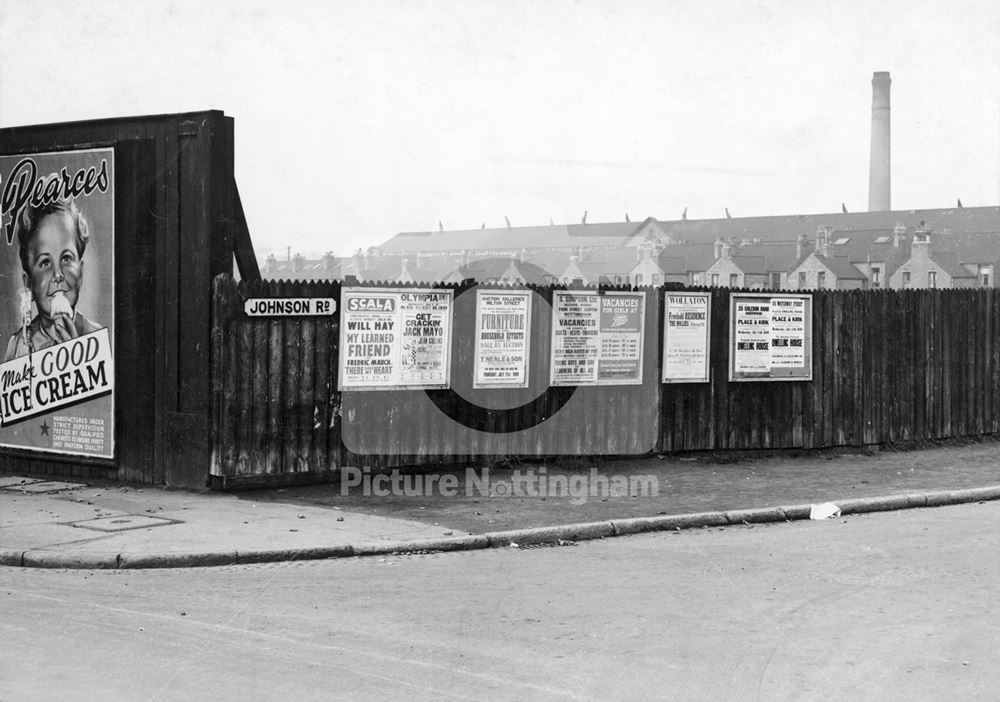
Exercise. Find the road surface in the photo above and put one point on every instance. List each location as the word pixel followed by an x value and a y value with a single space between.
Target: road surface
pixel 890 606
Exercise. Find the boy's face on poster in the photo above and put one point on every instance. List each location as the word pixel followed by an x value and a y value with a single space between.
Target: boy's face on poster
pixel 54 264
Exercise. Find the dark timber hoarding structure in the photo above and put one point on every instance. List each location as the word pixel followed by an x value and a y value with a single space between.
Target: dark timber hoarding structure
pixel 127 220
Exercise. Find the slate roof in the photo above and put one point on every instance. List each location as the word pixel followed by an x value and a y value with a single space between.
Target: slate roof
pixel 750 265
pixel 596 266
pixel 697 257
pixel 971 235
pixel 548 236
pixel 302 269
pixel 777 256
pixel 842 268
pixel 971 247
pixel 948 260
pixel 789 227
pixel 769 228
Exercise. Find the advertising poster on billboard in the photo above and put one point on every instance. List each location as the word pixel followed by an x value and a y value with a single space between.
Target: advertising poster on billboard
pixel 771 337
pixel 752 335
pixel 393 339
pixel 788 332
pixel 597 338
pixel 503 320
pixel 57 302
pixel 686 333
pixel 620 360
pixel 575 338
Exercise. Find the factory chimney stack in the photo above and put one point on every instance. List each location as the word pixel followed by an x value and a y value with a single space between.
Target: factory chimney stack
pixel 879 176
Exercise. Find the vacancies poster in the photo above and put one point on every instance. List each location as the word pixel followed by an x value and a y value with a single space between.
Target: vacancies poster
pixel 597 338
pixel 57 302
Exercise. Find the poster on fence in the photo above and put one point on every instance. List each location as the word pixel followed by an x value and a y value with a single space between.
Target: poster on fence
pixel 686 333
pixel 771 337
pixel 57 302
pixel 597 338
pixel 503 321
pixel 391 339
pixel 788 332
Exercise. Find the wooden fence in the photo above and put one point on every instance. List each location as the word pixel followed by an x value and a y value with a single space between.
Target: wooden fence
pixel 888 366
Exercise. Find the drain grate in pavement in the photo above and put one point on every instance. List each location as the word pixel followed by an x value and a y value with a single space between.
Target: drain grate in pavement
pixel 41 487
pixel 124 522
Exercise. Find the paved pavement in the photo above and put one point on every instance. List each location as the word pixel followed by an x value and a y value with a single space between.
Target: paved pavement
pixel 75 525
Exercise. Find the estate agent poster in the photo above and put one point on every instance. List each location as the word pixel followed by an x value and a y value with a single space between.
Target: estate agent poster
pixel 57 302
pixel 597 338
pixel 771 337
pixel 395 339
pixel 503 319
pixel 788 332
pixel 686 332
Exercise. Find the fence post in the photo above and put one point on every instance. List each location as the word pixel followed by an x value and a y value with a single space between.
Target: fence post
pixel 225 306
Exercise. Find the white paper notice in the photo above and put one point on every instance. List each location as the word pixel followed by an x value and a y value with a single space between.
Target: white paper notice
pixel 752 350
pixel 597 339
pixel 686 335
pixel 788 332
pixel 395 338
pixel 503 322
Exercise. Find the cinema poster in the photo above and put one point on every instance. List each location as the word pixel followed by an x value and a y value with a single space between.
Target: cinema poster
pixel 395 339
pixel 686 333
pixel 770 337
pixel 57 302
pixel 503 320
pixel 597 338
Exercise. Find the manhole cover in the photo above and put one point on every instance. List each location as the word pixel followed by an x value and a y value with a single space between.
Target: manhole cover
pixel 124 522
pixel 44 486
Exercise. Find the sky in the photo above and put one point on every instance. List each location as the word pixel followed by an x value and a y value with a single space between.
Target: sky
pixel 358 120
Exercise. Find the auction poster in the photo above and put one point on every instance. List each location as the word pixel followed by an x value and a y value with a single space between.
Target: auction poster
pixel 503 320
pixel 771 337
pixel 788 332
pixel 597 338
pixel 392 339
pixel 686 334
pixel 57 302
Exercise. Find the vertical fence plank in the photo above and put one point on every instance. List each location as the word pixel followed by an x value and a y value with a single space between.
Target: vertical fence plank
pixel 292 330
pixel 867 334
pixel 307 397
pixel 276 405
pixel 840 369
pixel 856 418
pixel 719 363
pixel 994 361
pixel 983 363
pixel 322 386
pixel 919 361
pixel 888 413
pixel 831 340
pixel 244 397
pixel 225 305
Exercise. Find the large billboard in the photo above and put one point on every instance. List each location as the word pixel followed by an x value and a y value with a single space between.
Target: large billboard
pixel 57 302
